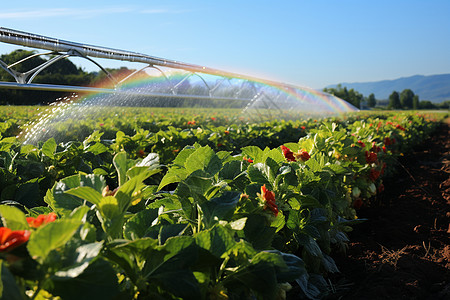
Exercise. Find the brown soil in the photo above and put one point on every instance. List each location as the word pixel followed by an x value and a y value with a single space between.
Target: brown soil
pixel 403 250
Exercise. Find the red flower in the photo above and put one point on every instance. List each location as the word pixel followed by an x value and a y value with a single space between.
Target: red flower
pixel 371 157
pixel 191 122
pixel 269 200
pixel 10 239
pixel 41 219
pixel 226 132
pixel 247 159
pixel 302 155
pixel 361 144
pixel 374 174
pixel 303 127
pixel 212 118
pixel 400 127
pixel 288 154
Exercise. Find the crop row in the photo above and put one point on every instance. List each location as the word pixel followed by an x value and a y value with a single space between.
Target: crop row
pixel 162 215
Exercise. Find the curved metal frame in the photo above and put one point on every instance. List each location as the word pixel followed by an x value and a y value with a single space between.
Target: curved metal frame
pixel 65 49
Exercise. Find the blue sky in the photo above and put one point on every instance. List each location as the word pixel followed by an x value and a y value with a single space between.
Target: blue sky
pixel 307 43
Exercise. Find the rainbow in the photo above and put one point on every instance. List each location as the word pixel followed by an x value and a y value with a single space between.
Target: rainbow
pixel 169 83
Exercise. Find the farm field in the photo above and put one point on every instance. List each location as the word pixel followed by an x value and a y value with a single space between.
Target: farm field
pixel 231 207
pixel 413 260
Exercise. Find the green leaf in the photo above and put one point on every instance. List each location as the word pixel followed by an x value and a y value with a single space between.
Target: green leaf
pixel 259 276
pixel 8 286
pixel 175 174
pixel 220 208
pixel 83 255
pixel 49 148
pixel 28 194
pixel 180 160
pixel 258 232
pixel 109 207
pixel 260 173
pixel 138 225
pixel 51 236
pixel 170 230
pixel 97 148
pixel 338 169
pixel 309 243
pixel 173 261
pixel 216 240
pixel 86 193
pixel 239 224
pixel 276 155
pixel 64 203
pixel 120 163
pixel 231 170
pixel 204 159
pixel 97 281
pixel 13 218
pixel 254 153
pixel 125 192
pixel 151 161
pixel 294 267
pixel 79 213
pixel 131 255
pixel 136 171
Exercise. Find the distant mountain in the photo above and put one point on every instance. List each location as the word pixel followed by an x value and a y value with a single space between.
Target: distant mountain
pixel 435 88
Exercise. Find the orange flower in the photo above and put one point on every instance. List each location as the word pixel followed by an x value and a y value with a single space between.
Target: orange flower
pixel 269 200
pixel 41 219
pixel 288 154
pixel 226 132
pixel 10 239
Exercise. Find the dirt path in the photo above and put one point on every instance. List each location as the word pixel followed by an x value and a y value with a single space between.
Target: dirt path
pixel 403 250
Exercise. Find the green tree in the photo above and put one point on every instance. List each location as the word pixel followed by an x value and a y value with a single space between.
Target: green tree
pixel 371 101
pixel 426 105
pixel 394 101
pixel 406 98
pixel 351 96
pixel 416 102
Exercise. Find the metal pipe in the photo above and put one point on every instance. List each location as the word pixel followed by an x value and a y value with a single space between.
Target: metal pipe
pixel 21 38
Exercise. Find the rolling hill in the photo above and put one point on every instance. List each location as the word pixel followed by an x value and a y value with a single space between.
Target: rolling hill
pixel 435 88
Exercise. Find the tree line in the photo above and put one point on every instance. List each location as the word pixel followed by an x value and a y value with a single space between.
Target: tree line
pixel 403 100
